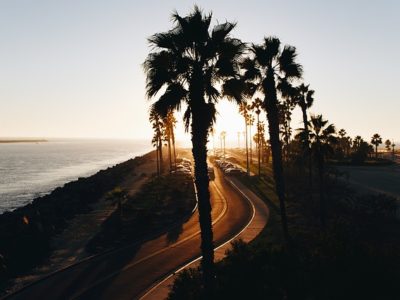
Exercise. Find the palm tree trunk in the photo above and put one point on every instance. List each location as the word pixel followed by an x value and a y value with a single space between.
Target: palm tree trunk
pixel 200 126
pixel 259 144
pixel 247 148
pixel 251 146
pixel 376 151
pixel 161 155
pixel 173 145
pixel 270 103
pixel 170 154
pixel 307 145
pixel 322 204
pixel 199 141
pixel 158 164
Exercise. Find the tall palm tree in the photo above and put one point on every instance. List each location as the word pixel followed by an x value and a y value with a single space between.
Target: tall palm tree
pixel 256 105
pixel 188 63
pixel 223 137
pixel 305 99
pixel 376 140
pixel 243 110
pixel 268 66
pixel 157 126
pixel 322 137
pixel 169 124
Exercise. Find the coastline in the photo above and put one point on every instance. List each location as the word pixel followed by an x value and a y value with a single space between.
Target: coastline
pixel 35 228
pixel 23 141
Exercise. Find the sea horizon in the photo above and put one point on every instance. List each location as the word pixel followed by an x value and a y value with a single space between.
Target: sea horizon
pixel 30 170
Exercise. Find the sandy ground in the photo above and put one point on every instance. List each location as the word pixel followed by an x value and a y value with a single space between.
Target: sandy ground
pixel 69 246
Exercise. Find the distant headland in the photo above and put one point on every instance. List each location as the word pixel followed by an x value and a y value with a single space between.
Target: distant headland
pixel 7 141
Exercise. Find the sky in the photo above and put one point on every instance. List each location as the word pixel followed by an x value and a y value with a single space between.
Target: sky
pixel 72 68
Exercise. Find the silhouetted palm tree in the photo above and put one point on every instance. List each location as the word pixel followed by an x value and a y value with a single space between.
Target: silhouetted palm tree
pixel 157 125
pixel 268 67
pixel 322 137
pixel 190 62
pixel 388 145
pixel 376 140
pixel 243 110
pixel 223 137
pixel 305 99
pixel 256 105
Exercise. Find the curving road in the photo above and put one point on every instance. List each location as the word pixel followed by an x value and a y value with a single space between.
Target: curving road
pixel 128 272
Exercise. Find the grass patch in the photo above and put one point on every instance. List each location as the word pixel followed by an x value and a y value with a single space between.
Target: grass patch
pixel 161 203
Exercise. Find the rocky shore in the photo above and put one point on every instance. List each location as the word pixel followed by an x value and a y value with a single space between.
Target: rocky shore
pixel 27 233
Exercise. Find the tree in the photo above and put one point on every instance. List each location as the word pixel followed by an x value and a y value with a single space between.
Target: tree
pixel 157 126
pixel 376 140
pixel 305 99
pixel 388 145
pixel 223 137
pixel 360 149
pixel 268 66
pixel 243 108
pixel 188 63
pixel 256 105
pixel 170 124
pixel 322 137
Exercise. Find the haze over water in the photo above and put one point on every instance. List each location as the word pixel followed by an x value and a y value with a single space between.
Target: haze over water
pixel 29 170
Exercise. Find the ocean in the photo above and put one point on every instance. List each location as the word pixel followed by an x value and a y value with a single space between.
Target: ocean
pixel 30 170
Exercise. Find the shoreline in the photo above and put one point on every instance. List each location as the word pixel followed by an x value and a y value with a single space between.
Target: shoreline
pixel 27 233
pixel 23 141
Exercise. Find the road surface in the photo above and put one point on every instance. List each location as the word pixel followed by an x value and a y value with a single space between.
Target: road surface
pixel 128 272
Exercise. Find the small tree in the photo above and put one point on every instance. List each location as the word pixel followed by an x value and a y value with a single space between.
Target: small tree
pixel 322 137
pixel 388 145
pixel 376 140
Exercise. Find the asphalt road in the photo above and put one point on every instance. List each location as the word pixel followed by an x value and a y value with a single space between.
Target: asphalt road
pixel 126 273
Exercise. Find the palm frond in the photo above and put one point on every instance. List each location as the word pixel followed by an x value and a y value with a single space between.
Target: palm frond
pixel 170 100
pixel 221 31
pixel 287 63
pixel 272 47
pixel 234 89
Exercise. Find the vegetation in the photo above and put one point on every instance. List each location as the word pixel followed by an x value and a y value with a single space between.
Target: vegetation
pixel 356 257
pixel 270 68
pixel 189 61
pixel 162 203
pixel 324 260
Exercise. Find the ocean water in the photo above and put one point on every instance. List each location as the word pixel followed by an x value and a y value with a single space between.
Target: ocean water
pixel 29 170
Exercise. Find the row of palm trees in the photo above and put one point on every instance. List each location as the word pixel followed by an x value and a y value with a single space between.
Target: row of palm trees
pixel 163 128
pixel 187 65
pixel 194 65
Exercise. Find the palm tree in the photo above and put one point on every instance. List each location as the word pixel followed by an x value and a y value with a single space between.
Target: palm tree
pixel 256 105
pixel 376 140
pixel 187 64
pixel 157 125
pixel 223 136
pixel 266 68
pixel 393 152
pixel 305 99
pixel 388 145
pixel 243 108
pixel 322 137
pixel 250 123
pixel 171 121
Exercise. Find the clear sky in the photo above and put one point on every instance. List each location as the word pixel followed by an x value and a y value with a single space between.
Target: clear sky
pixel 72 68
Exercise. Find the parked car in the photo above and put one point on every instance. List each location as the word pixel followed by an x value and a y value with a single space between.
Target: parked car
pixel 234 171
